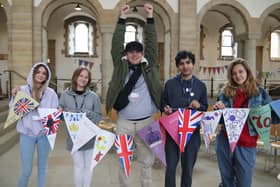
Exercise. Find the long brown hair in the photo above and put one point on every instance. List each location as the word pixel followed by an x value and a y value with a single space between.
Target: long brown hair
pixel 250 84
pixel 37 90
pixel 75 76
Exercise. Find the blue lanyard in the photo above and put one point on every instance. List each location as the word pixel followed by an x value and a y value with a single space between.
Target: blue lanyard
pixel 76 104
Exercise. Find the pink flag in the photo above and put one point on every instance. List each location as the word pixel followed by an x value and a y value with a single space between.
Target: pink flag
pixel 170 124
pixel 188 121
pixel 124 146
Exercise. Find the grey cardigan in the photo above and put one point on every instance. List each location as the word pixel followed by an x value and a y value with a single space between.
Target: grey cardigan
pixel 88 103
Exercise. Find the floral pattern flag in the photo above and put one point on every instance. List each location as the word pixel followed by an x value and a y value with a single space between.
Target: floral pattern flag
pixel 103 142
pixel 234 119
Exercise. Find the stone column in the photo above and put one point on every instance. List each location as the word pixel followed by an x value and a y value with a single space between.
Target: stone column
pixel 250 50
pixel 21 39
pixel 106 60
pixel 187 25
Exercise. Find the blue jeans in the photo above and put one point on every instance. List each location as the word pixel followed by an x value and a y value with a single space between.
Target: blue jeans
pixel 26 148
pixel 237 168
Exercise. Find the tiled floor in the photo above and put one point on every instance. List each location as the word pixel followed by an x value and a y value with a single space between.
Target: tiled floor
pixel 105 174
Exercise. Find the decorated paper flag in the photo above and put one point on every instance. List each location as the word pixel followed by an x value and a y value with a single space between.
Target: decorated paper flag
pixel 276 107
pixel 234 119
pixel 209 123
pixel 170 124
pixel 152 136
pixel 22 105
pixel 50 120
pixel 72 122
pixel 87 130
pixel 103 142
pixel 261 119
pixel 188 121
pixel 124 146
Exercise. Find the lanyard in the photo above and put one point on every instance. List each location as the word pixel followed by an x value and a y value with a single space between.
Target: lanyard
pixel 188 91
pixel 76 103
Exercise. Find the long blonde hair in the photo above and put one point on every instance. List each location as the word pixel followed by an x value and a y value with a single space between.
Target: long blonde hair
pixel 250 84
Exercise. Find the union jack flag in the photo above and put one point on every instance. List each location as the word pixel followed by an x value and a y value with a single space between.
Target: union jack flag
pixel 124 146
pixel 23 106
pixel 51 122
pixel 188 121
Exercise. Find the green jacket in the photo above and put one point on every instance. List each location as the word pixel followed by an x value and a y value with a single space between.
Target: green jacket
pixel 150 70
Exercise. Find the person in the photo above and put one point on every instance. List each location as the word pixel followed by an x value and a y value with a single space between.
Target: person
pixel 135 88
pixel 31 131
pixel 183 91
pixel 80 99
pixel 241 91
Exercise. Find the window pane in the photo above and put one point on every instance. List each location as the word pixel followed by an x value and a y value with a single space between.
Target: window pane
pixel 226 38
pixel 130 34
pixel 226 51
pixel 81 38
pixel 274 45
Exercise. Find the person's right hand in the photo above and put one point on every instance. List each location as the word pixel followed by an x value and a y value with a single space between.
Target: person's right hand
pixel 15 91
pixel 167 109
pixel 219 105
pixel 124 10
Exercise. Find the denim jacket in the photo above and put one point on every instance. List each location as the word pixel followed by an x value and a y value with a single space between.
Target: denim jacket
pixel 262 99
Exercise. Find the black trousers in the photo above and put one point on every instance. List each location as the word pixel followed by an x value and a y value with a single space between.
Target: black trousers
pixel 188 159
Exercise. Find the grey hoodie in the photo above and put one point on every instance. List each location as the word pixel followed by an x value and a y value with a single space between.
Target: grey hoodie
pixel 87 102
pixel 48 99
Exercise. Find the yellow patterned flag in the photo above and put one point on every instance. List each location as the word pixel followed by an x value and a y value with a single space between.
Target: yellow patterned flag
pixel 22 105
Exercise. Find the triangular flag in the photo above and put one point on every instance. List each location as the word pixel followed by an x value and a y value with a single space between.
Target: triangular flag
pixel 72 122
pixel 209 123
pixel 124 146
pixel 87 130
pixel 276 107
pixel 22 105
pixel 170 124
pixel 234 119
pixel 261 119
pixel 152 136
pixel 103 142
pixel 50 120
pixel 188 121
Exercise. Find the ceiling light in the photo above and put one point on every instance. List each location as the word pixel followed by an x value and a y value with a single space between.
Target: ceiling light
pixel 78 7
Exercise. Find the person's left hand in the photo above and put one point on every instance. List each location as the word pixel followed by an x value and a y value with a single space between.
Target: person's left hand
pixel 194 104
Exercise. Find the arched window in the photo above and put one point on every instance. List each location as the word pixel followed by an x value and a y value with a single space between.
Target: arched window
pixel 80 37
pixel 275 45
pixel 133 31
pixel 228 47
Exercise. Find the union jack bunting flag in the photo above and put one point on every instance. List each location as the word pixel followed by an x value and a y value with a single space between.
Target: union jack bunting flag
pixel 23 106
pixel 188 121
pixel 124 146
pixel 51 122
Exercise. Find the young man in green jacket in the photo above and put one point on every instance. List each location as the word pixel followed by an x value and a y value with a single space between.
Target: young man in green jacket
pixel 135 89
